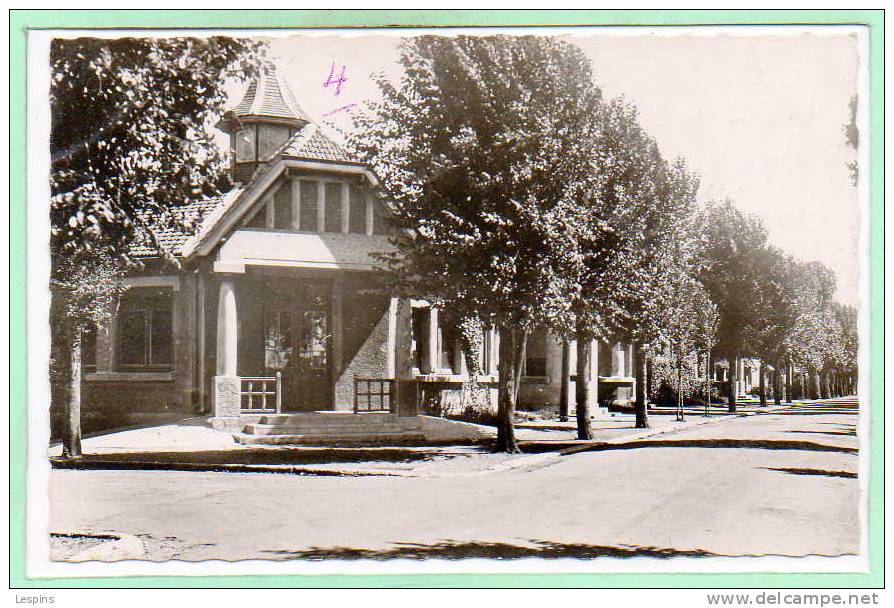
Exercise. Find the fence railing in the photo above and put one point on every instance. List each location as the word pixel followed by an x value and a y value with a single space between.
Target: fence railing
pixel 374 395
pixel 260 394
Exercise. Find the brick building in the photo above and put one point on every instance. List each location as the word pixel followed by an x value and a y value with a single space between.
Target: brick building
pixel 280 305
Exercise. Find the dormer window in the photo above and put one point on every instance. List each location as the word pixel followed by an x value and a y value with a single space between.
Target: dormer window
pixel 320 204
pixel 245 144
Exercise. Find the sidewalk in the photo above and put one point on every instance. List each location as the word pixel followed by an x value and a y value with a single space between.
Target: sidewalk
pixel 192 445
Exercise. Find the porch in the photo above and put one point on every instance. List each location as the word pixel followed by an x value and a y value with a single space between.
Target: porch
pixel 300 341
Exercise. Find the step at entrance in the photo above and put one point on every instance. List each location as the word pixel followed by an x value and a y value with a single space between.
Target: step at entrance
pixel 330 428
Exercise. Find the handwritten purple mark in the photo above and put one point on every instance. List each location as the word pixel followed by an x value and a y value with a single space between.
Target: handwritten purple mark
pixel 338 81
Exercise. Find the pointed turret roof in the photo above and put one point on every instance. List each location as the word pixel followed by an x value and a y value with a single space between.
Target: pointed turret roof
pixel 268 98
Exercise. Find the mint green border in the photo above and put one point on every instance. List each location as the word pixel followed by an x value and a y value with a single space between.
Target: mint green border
pixel 22 20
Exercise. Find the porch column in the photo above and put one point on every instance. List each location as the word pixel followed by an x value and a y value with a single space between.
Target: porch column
pixel 594 376
pixel 321 206
pixel 226 381
pixel 620 355
pixel 337 331
pixel 432 357
pixel 345 207
pixel 296 203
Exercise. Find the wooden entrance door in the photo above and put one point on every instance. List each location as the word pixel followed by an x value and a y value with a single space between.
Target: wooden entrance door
pixel 298 343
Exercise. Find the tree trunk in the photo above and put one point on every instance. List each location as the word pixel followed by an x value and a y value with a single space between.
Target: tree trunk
pixel 512 354
pixel 762 379
pixel 649 379
pixel 565 387
pixel 582 387
pixel 680 416
pixel 71 433
pixel 640 405
pixel 777 385
pixel 816 392
pixel 788 383
pixel 824 384
pixel 733 376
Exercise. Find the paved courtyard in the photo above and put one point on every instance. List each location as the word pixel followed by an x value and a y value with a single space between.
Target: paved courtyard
pixel 782 482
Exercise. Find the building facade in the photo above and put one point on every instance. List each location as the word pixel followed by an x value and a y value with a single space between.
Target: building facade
pixel 280 303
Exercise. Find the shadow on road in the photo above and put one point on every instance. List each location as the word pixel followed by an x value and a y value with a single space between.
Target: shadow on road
pixel 820 472
pixel 850 433
pixel 759 444
pixel 470 550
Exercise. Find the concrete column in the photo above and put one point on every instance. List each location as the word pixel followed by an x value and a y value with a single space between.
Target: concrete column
pixel 432 355
pixel 553 369
pixel 494 351
pixel 370 216
pixel 337 331
pixel 618 365
pixel 227 329
pixel 594 376
pixel 200 341
pixel 391 345
pixel 321 206
pixel 403 337
pixel 226 381
pixel 345 207
pixel 296 203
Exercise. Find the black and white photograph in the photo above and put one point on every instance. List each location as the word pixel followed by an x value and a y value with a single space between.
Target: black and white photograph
pixel 571 299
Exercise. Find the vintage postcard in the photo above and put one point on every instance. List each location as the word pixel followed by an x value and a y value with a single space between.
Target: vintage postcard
pixel 590 299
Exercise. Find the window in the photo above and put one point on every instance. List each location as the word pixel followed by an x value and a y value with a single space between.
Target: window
pixel 535 354
pixel 145 328
pixel 277 339
pixel 282 208
pixel 357 199
pixel 245 144
pixel 314 341
pixel 448 348
pixel 420 336
pixel 270 139
pixel 484 357
pixel 88 348
pixel 309 205
pixel 380 224
pixel 333 207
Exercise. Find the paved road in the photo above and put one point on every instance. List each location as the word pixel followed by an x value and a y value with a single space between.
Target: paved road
pixel 779 483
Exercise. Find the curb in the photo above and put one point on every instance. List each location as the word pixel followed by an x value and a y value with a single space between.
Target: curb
pixel 532 460
pixel 86 464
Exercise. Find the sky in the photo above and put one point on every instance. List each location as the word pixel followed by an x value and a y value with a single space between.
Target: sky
pixel 759 117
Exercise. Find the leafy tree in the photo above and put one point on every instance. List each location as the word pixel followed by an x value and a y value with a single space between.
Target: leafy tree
pixel 846 364
pixel 625 197
pixel 480 147
pixel 731 276
pixel 775 313
pixel 815 342
pixel 130 143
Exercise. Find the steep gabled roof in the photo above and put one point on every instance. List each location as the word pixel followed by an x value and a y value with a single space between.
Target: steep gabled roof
pixel 199 212
pixel 311 144
pixel 268 97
